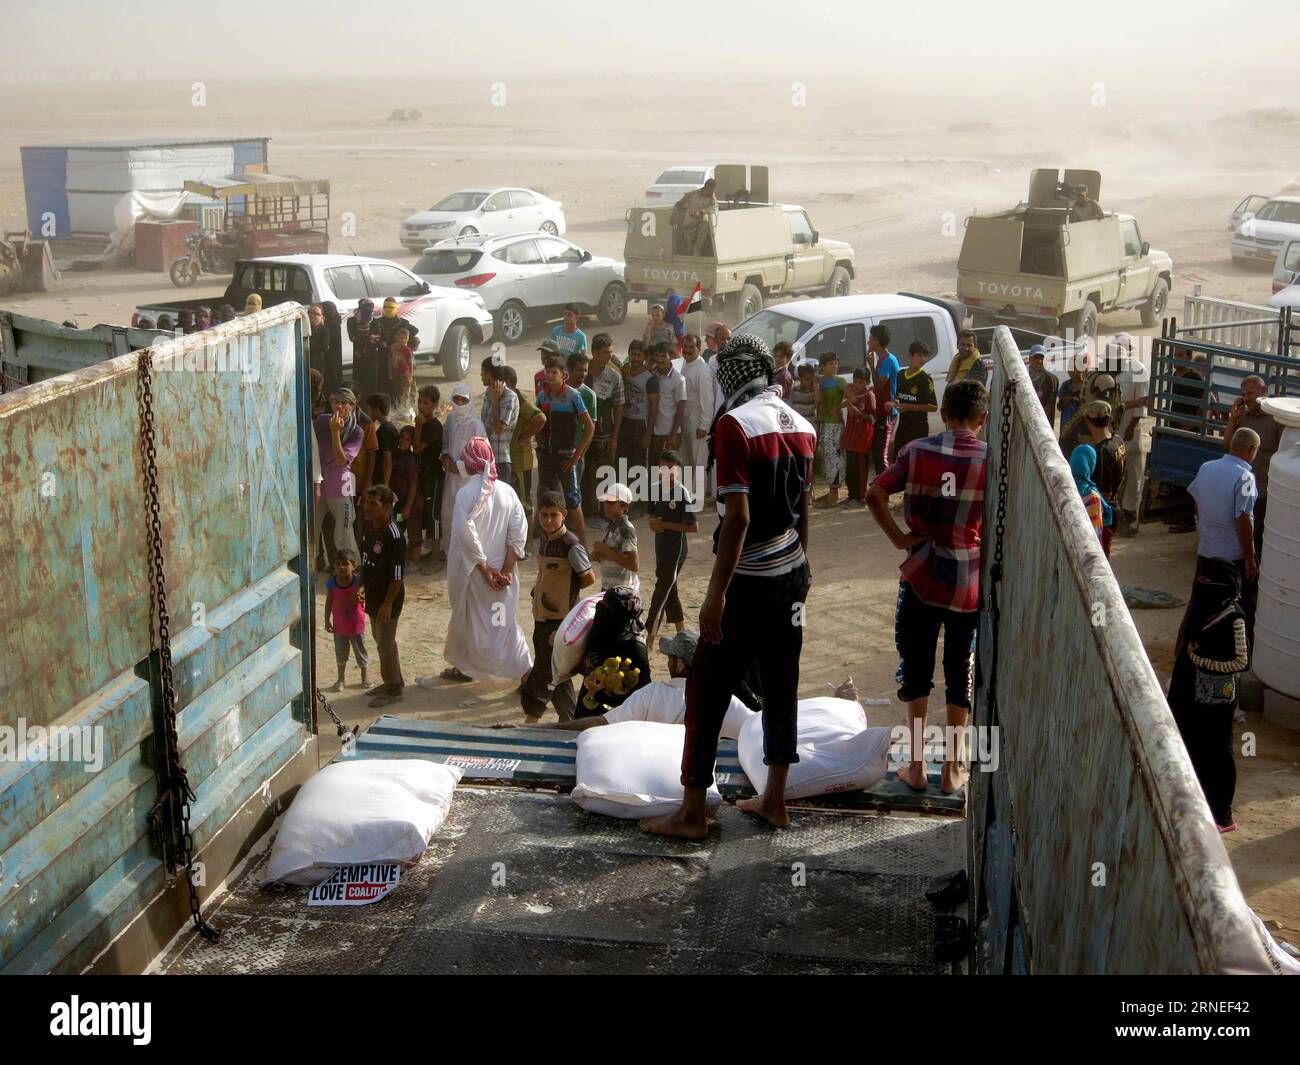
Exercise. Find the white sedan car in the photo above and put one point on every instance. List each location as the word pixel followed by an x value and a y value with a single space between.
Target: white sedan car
pixel 674 183
pixel 1260 231
pixel 527 279
pixel 496 212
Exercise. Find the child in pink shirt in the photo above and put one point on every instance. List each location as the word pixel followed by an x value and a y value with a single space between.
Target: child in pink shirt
pixel 345 615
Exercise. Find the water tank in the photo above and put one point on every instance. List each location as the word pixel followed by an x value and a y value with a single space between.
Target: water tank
pixel 1277 618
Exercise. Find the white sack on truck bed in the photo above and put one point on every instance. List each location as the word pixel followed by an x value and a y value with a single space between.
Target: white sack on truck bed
pixel 632 769
pixel 361 811
pixel 837 752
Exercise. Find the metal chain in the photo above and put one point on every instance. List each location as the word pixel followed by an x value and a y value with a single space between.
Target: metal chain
pixel 169 820
pixel 999 545
pixel 345 734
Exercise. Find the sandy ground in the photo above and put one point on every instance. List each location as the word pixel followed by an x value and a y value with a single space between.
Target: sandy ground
pixel 879 170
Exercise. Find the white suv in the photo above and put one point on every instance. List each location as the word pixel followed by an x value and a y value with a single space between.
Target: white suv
pixel 527 279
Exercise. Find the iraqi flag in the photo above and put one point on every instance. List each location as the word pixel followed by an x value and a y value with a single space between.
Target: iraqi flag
pixel 694 303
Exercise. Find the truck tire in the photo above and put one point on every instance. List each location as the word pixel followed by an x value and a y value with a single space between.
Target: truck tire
pixel 748 301
pixel 838 285
pixel 1154 308
pixel 511 322
pixel 455 353
pixel 1085 321
pixel 613 304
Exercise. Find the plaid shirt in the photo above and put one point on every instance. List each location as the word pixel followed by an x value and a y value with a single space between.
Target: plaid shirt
pixel 508 410
pixel 942 478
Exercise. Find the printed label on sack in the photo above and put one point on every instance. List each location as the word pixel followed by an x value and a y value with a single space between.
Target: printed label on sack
pixel 357 885
pixel 482 763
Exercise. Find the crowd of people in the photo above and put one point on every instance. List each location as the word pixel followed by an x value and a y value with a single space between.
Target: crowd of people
pixel 601 440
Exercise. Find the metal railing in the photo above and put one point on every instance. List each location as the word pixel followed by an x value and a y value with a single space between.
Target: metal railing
pixel 1092 847
pixel 1194 384
pixel 1227 322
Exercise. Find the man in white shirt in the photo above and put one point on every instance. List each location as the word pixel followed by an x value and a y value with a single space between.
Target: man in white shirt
pixel 668 407
pixel 701 405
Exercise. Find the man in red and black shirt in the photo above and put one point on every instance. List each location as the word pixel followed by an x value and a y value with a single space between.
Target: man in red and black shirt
pixel 753 611
pixel 942 478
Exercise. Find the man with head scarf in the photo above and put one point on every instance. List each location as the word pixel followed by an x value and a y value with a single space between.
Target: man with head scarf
pixel 385 330
pixel 489 531
pixel 253 304
pixel 753 611
pixel 461 426
pixel 365 347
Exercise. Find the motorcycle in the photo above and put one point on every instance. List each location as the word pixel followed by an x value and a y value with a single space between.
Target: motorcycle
pixel 207 255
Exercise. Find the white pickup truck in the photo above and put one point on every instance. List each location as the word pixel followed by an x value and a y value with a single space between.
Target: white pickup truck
pixel 449 320
pixel 841 324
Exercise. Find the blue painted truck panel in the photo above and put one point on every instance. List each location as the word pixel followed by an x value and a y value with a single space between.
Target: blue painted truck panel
pixel 77 863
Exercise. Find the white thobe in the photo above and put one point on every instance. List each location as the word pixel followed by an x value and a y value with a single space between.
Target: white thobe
pixel 484 638
pixel 456 434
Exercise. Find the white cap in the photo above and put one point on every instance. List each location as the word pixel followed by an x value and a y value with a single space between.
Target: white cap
pixel 617 493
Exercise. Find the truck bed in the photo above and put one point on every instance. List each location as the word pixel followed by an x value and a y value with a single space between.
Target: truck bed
pixel 585 893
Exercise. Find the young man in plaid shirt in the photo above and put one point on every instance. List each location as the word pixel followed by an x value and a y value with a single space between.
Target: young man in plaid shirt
pixel 942 478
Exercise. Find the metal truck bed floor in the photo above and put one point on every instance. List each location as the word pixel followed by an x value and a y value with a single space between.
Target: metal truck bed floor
pixel 589 894
pixel 545 757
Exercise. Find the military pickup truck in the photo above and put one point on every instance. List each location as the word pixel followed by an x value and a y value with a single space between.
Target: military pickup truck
pixel 745 251
pixel 1059 260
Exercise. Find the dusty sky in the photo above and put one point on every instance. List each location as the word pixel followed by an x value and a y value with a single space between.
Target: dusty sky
pixel 1193 48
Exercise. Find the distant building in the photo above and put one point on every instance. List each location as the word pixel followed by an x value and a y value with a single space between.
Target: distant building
pixel 82 190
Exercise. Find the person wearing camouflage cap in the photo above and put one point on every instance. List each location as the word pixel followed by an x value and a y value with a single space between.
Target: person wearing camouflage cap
pixel 1096 429
pixel 1097 385
pixel 753 611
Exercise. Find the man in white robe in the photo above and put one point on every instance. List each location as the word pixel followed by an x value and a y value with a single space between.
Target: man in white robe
pixel 488 533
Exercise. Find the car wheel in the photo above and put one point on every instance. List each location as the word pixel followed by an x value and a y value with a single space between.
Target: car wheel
pixel 550 228
pixel 838 285
pixel 1240 262
pixel 455 353
pixel 613 305
pixel 1154 308
pixel 512 322
pixel 1085 321
pixel 750 301
pixel 468 231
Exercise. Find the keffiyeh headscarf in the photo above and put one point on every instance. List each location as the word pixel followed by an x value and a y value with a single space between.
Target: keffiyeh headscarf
pixel 476 458
pixel 744 368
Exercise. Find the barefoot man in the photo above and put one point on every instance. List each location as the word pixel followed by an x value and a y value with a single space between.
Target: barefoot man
pixel 753 611
pixel 942 478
